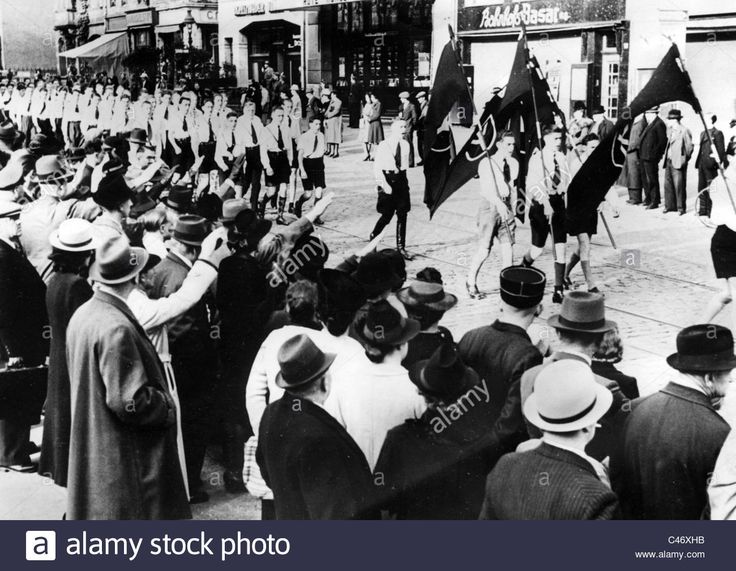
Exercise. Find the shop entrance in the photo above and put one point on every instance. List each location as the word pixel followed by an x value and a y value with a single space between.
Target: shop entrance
pixel 277 43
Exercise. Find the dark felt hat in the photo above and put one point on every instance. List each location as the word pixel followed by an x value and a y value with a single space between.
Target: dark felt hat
pixel 385 326
pixel 301 362
pixel 583 312
pixel 180 199
pixel 8 132
pixel 376 273
pixel 342 291
pixel 427 295
pixel 703 348
pixel 250 227
pixel 443 375
pixel 190 229
pixel 522 287
pixel 143 204
pixel 139 136
pixel 674 114
pixel 117 261
pixel 112 191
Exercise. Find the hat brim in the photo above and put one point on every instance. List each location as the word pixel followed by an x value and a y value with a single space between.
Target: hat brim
pixel 327 361
pixel 59 245
pixel 188 241
pixel 701 363
pixel 603 402
pixel 140 257
pixel 448 302
pixel 408 332
pixel 554 321
pixel 469 380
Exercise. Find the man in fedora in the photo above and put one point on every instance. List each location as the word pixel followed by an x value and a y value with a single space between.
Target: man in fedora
pixel 676 157
pixel 137 139
pixel 652 144
pixel 18 161
pixel 230 209
pixel 408 114
pixel 557 479
pixel 115 199
pixel 191 345
pixel 313 466
pixel 422 108
pixel 427 303
pixel 502 352
pixel 123 461
pixel 44 215
pixel 707 163
pixel 9 139
pixel 580 326
pixel 422 461
pixel 23 340
pixel 671 439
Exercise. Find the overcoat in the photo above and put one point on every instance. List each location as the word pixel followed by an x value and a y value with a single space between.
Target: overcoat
pixel 313 466
pixel 500 353
pixel 123 460
pixel 66 292
pixel 653 141
pixel 547 483
pixel 669 446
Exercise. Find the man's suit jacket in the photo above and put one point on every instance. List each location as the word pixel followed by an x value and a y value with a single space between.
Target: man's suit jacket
pixel 546 483
pixel 653 141
pixel 190 332
pixel 704 159
pixel 500 353
pixel 409 114
pixel 311 463
pixel 679 146
pixel 668 448
pixel 123 459
pixel 606 436
pixel 23 315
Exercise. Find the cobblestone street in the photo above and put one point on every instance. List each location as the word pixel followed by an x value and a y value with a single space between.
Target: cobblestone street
pixel 656 282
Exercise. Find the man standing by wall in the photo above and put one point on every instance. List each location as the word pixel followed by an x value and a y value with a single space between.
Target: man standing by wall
pixel 676 157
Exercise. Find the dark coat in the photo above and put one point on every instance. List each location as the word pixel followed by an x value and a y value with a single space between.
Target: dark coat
pixel 424 345
pixel 704 159
pixel 605 437
pixel 190 332
pixel 409 114
pixel 66 293
pixel 23 315
pixel 500 354
pixel 653 141
pixel 123 460
pixel 547 483
pixel 609 371
pixel 311 463
pixel 432 469
pixel 669 446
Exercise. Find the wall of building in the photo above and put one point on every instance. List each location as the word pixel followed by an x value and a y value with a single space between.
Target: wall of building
pixel 26 33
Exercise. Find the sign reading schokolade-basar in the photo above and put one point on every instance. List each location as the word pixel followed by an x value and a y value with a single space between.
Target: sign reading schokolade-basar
pixel 487 15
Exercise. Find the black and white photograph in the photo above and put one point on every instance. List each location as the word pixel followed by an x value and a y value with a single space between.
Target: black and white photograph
pixel 368 260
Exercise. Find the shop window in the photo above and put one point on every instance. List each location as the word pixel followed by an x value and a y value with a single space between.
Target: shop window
pixel 229 50
pixel 420 57
pixel 609 85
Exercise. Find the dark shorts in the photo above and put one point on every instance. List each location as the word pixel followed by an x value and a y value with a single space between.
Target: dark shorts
pixel 400 197
pixel 540 225
pixel 723 252
pixel 586 224
pixel 315 174
pixel 280 167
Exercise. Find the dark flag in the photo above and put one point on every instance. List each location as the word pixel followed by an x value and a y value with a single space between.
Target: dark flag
pixel 515 111
pixel 588 188
pixel 439 149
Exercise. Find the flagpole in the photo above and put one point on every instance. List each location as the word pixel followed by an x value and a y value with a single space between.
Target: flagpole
pixel 481 138
pixel 536 121
pixel 699 111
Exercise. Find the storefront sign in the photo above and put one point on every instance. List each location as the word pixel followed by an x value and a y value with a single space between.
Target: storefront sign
pixel 284 5
pixel 144 18
pixel 116 24
pixel 296 42
pixel 250 9
pixel 481 15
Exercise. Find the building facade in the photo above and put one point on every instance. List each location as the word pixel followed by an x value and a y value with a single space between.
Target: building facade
pixel 148 23
pixel 26 39
pixel 378 45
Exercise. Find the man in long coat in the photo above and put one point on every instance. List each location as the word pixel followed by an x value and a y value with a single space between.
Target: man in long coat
pixel 123 461
pixel 671 439
pixel 651 150
pixel 707 163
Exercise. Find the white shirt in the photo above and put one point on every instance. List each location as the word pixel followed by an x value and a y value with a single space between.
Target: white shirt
pixel 539 180
pixel 244 134
pixel 262 389
pixel 369 399
pixel 488 180
pixel 722 212
pixel 385 159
